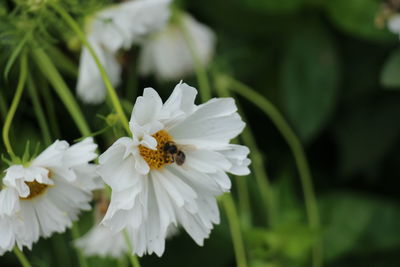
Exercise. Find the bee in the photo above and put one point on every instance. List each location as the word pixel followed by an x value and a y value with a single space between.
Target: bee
pixel 172 151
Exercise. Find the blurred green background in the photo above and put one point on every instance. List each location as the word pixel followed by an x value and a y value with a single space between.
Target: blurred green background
pixel 336 77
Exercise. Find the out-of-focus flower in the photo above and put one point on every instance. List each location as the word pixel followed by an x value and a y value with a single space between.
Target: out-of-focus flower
pixel 167 53
pixel 101 241
pixel 169 173
pixel 47 194
pixel 394 24
pixel 110 30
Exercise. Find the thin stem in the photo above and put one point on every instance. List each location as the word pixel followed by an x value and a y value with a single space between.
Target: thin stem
pixel 298 153
pixel 244 201
pixel 15 102
pixel 243 191
pixel 236 234
pixel 132 257
pixel 81 257
pixel 21 257
pixel 49 70
pixel 37 107
pixel 111 91
pixel 201 74
pixel 261 175
pixel 50 110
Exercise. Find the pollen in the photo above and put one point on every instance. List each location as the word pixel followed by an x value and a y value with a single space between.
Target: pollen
pixel 156 159
pixel 36 189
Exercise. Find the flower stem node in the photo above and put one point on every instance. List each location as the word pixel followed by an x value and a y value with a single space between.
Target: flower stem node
pixel 112 119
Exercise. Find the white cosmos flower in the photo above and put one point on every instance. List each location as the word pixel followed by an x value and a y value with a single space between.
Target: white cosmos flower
pixel 47 195
pixel 394 24
pixel 167 54
pixel 110 30
pixel 154 190
pixel 101 241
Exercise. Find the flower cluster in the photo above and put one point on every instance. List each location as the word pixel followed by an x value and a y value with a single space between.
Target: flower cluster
pixel 166 175
pixel 166 52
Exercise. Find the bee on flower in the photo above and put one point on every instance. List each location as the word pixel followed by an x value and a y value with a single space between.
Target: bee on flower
pixel 169 173
pixel 47 194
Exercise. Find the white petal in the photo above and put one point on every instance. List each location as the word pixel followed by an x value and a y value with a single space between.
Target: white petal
pixel 213 124
pixel 206 161
pixel 9 201
pixel 80 153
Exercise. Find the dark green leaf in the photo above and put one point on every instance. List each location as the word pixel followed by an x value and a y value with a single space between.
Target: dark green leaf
pixel 354 221
pixel 309 79
pixel 345 216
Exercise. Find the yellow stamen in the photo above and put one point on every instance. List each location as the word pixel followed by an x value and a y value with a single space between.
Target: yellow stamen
pixel 156 159
pixel 36 189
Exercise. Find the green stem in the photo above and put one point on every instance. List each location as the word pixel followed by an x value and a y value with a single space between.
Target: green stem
pixel 201 73
pixel 241 183
pixel 21 257
pixel 298 153
pixel 50 110
pixel 51 73
pixel 75 236
pixel 111 91
pixel 15 102
pixel 261 175
pixel 132 257
pixel 63 62
pixel 244 201
pixel 3 106
pixel 236 234
pixel 37 107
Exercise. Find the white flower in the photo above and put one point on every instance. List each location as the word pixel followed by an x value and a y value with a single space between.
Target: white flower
pixel 155 188
pixel 394 24
pixel 47 195
pixel 167 53
pixel 101 241
pixel 110 30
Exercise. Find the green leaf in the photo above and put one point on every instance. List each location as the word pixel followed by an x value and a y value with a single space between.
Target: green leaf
pixel 288 242
pixel 344 216
pixel 309 79
pixel 358 223
pixel 15 53
pixel 390 76
pixel 357 17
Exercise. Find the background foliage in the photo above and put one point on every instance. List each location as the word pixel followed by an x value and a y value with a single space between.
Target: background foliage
pixel 332 72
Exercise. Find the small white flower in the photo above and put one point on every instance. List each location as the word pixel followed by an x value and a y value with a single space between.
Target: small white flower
pixel 110 30
pixel 101 241
pixel 167 53
pixel 155 188
pixel 394 24
pixel 46 196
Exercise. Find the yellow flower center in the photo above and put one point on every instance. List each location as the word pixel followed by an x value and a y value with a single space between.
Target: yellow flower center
pixel 156 159
pixel 36 189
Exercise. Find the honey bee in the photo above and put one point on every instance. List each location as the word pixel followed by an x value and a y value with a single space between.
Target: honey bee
pixel 172 151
